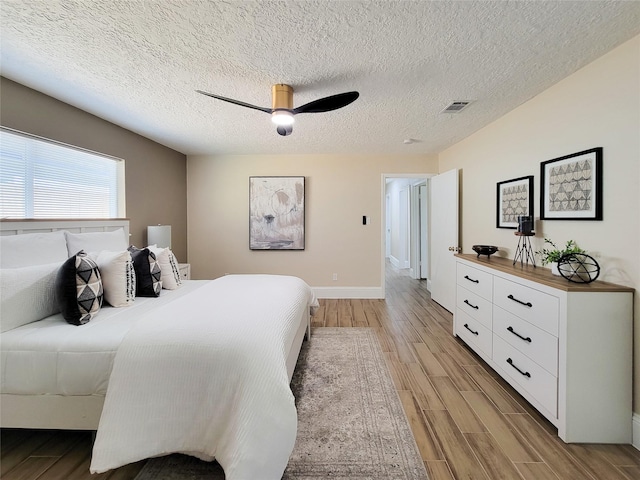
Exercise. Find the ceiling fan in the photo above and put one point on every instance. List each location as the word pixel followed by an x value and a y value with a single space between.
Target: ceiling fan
pixel 282 110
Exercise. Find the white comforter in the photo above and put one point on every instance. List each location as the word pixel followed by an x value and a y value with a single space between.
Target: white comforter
pixel 207 376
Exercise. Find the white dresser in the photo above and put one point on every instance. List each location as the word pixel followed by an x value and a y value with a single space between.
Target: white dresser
pixel 565 347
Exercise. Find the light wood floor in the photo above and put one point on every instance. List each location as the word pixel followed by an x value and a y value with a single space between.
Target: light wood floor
pixel 467 422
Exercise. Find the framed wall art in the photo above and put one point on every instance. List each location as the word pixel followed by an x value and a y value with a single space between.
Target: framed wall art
pixel 276 213
pixel 514 199
pixel 571 187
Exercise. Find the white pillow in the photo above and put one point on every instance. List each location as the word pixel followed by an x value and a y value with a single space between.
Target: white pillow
pixel 118 277
pixel 168 266
pixel 27 294
pixel 17 251
pixel 114 241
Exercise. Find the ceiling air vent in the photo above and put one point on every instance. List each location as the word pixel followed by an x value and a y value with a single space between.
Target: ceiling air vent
pixel 455 107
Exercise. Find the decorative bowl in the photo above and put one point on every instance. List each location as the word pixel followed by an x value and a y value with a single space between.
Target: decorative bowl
pixel 487 250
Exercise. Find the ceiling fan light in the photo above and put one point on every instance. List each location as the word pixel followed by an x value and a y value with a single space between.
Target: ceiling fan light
pixel 282 117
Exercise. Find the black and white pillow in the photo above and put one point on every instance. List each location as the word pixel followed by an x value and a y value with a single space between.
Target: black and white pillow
pixel 79 290
pixel 118 277
pixel 169 266
pixel 148 272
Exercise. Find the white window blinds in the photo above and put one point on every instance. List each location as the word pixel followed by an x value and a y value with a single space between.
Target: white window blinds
pixel 45 179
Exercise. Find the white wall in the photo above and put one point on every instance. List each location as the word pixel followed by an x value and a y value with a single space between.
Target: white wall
pixel 598 106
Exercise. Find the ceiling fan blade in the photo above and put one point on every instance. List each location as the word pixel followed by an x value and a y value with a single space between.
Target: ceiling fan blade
pixel 327 104
pixel 236 102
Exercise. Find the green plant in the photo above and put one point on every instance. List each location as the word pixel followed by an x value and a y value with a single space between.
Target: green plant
pixel 551 255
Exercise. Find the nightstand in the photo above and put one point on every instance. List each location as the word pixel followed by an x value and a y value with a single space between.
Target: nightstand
pixel 185 271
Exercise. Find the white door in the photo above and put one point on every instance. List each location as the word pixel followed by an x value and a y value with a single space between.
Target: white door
pixel 424 259
pixel 444 238
pixel 387 228
pixel 403 200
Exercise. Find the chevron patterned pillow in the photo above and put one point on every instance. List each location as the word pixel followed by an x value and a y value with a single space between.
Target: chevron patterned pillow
pixel 79 290
pixel 148 272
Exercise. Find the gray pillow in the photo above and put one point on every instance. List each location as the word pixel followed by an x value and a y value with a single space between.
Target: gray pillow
pixel 27 295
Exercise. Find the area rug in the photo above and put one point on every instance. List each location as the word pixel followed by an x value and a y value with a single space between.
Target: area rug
pixel 351 424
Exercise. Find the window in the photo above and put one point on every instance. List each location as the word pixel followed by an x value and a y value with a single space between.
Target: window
pixel 45 179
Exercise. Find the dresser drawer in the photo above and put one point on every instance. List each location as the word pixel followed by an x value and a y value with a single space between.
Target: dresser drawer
pixel 536 307
pixel 474 280
pixel 533 378
pixel 535 343
pixel 474 333
pixel 474 305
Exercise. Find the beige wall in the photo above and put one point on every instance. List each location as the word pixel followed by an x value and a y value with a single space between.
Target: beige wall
pixel 155 175
pixel 598 106
pixel 339 191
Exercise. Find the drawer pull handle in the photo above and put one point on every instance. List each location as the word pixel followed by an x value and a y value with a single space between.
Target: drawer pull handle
pixel 527 339
pixel 472 306
pixel 466 325
pixel 471 279
pixel 526 374
pixel 526 304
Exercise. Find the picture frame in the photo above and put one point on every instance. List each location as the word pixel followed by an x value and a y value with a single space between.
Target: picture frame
pixel 514 198
pixel 276 213
pixel 571 186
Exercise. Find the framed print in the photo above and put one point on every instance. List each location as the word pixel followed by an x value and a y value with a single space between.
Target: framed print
pixel 276 213
pixel 514 199
pixel 571 187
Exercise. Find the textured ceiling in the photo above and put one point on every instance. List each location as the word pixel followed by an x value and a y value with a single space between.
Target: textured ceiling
pixel 138 64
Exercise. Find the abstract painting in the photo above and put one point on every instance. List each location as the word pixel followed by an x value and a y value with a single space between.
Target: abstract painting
pixel 571 187
pixel 514 199
pixel 276 213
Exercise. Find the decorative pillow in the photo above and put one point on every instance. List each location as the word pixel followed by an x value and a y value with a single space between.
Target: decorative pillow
pixel 148 273
pixel 114 241
pixel 118 277
pixel 17 251
pixel 169 267
pixel 79 289
pixel 27 295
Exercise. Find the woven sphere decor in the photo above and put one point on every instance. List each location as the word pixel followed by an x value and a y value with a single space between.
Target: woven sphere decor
pixel 579 267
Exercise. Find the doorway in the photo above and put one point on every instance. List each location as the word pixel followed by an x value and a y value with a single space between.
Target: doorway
pixel 405 228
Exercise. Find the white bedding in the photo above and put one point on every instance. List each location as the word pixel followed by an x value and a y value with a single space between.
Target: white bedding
pixel 53 357
pixel 206 375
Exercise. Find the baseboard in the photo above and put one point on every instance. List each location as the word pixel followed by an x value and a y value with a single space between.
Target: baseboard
pixel 348 292
pixel 636 431
pixel 394 261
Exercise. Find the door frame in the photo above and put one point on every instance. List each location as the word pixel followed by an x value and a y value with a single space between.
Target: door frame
pixel 383 215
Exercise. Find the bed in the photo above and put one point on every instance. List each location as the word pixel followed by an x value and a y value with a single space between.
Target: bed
pixel 158 375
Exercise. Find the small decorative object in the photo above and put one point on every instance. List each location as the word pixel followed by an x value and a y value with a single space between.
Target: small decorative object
pixel 487 250
pixel 553 255
pixel 524 252
pixel 525 224
pixel 571 187
pixel 276 213
pixel 579 267
pixel 514 199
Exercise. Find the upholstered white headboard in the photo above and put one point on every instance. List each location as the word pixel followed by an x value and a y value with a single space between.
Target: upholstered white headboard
pixel 19 227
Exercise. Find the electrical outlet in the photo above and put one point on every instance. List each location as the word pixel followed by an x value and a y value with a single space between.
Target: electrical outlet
pixel 335 277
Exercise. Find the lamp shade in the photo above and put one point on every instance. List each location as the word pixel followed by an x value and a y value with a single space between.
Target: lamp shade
pixel 159 235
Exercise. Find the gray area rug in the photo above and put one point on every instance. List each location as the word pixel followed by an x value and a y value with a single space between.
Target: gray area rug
pixel 351 424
